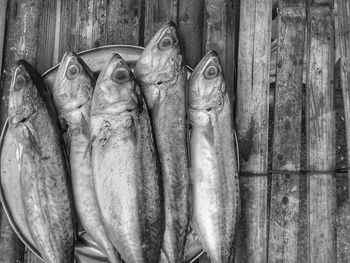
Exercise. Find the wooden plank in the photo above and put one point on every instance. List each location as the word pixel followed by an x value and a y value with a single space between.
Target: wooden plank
pixel 320 125
pixel 342 40
pixel 156 14
pixel 221 27
pixel 94 23
pixel 56 49
pixel 284 211
pixel 46 35
pixel 3 7
pixel 252 126
pixel 67 26
pixel 90 24
pixel 343 44
pixel 190 28
pixel 124 22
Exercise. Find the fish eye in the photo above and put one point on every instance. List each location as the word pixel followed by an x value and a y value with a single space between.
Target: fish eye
pixel 72 71
pixel 120 75
pixel 211 72
pixel 21 81
pixel 166 43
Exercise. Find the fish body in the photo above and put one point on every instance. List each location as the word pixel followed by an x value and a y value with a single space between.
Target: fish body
pixel 125 166
pixel 72 95
pixel 45 189
pixel 214 171
pixel 161 72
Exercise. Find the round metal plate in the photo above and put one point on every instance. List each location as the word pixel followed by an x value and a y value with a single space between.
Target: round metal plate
pixel 86 250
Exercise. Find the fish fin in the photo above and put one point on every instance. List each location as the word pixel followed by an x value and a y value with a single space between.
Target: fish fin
pixel 33 143
pixel 236 149
pixel 87 152
pixel 67 138
pixel 85 127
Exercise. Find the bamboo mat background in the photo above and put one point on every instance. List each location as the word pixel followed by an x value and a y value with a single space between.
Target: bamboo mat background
pixel 284 78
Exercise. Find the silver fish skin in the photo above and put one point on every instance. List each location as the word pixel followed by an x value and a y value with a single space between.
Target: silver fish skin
pixel 162 74
pixel 125 166
pixel 44 181
pixel 72 95
pixel 214 169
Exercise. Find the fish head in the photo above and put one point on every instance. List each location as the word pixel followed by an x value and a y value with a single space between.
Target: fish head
pixel 161 59
pixel 24 98
pixel 74 83
pixel 116 90
pixel 207 85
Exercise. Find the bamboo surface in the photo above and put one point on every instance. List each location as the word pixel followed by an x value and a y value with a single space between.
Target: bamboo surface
pixel 252 127
pixel 240 31
pixel 342 38
pixel 284 210
pixel 320 124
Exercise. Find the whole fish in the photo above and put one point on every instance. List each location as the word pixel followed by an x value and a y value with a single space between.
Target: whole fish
pixel 72 95
pixel 45 190
pixel 214 171
pixel 161 72
pixel 125 168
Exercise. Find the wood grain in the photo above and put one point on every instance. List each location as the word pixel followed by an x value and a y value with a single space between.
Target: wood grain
pixel 190 28
pixel 3 7
pixel 156 14
pixel 46 35
pixel 252 126
pixel 342 40
pixel 320 125
pixel 124 22
pixel 343 44
pixel 284 209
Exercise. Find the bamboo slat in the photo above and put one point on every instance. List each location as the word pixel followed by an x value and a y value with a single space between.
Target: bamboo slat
pixel 190 28
pixel 342 23
pixel 343 11
pixel 156 14
pixel 252 126
pixel 67 27
pixel 284 211
pixel 124 22
pixel 320 125
pixel 3 7
pixel 90 24
pixel 46 35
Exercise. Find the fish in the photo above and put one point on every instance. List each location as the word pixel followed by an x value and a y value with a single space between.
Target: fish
pixel 162 74
pixel 72 95
pixel 40 153
pixel 125 164
pixel 214 165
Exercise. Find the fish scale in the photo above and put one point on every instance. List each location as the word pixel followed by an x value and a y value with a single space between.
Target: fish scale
pixel 162 74
pixel 125 165
pixel 45 190
pixel 72 95
pixel 214 167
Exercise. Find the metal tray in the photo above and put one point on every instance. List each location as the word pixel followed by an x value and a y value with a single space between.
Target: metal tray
pixel 86 249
